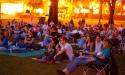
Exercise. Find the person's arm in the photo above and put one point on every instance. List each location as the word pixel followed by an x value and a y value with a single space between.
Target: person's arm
pixel 101 57
pixel 25 40
pixel 58 53
pixel 106 54
pixel 91 53
pixel 57 47
pixel 31 40
pixel 49 47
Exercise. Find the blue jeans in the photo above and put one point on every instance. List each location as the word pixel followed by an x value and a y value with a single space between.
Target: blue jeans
pixel 76 62
pixel 50 56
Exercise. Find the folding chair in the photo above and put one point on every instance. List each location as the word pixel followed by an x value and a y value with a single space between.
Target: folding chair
pixel 122 47
pixel 85 68
pixel 122 44
pixel 101 68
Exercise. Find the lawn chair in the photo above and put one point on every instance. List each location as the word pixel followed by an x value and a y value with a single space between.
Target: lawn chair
pixel 99 67
pixel 84 68
pixel 103 69
pixel 122 47
pixel 122 44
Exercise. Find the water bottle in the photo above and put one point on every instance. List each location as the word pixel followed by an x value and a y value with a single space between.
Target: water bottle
pixel 11 51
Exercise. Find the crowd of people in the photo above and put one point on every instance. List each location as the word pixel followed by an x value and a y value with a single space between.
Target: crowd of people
pixel 97 41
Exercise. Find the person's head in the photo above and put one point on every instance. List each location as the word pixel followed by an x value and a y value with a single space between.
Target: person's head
pixel 8 22
pixel 54 29
pixel 21 40
pixel 30 33
pixel 83 36
pixel 105 43
pixel 48 32
pixel 98 38
pixel 121 25
pixel 52 40
pixel 88 38
pixel 63 39
pixel 6 33
pixel 106 25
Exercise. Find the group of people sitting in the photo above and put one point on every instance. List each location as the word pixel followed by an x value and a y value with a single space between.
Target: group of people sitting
pixel 19 36
pixel 95 42
pixel 98 56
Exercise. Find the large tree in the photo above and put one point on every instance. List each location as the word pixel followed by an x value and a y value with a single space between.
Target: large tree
pixel 100 10
pixel 111 4
pixel 0 10
pixel 53 12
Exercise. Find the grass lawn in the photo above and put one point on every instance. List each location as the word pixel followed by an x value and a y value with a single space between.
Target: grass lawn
pixel 10 65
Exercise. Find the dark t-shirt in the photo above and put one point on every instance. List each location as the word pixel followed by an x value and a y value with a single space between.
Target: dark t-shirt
pixel 55 34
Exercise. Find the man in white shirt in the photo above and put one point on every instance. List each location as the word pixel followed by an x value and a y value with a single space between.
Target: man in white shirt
pixel 66 49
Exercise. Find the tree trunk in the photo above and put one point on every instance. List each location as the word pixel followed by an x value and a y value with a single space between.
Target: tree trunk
pixel 0 10
pixel 112 10
pixel 53 12
pixel 111 17
pixel 100 12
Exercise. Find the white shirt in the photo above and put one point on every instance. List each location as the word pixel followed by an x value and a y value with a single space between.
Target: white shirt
pixel 45 27
pixel 120 29
pixel 59 31
pixel 98 46
pixel 74 31
pixel 68 50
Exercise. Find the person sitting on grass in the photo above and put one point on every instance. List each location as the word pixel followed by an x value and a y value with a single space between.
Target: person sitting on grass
pixel 51 51
pixel 20 43
pixel 1 43
pixel 46 39
pixel 29 40
pixel 65 51
pixel 82 42
pixel 4 41
pixel 83 60
pixel 52 47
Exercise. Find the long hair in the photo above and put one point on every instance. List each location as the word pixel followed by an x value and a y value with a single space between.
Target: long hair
pixel 64 38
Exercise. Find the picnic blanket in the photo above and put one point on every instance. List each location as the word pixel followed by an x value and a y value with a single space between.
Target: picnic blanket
pixel 24 53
